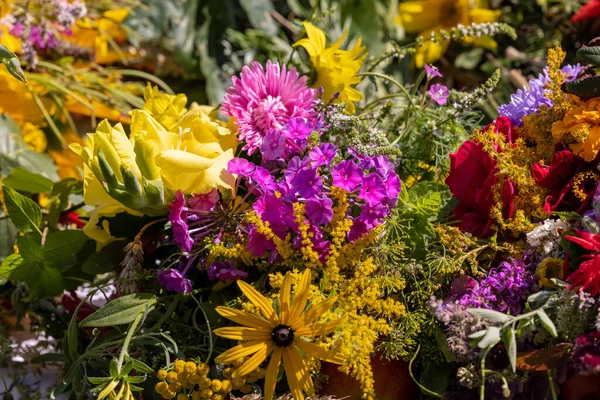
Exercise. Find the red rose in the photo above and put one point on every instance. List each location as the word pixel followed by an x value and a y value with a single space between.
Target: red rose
pixel 559 177
pixel 471 180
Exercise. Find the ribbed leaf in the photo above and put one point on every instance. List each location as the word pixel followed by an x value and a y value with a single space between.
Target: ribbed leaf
pixel 120 311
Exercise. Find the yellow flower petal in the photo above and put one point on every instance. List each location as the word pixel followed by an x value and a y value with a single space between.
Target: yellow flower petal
pixel 238 333
pixel 243 318
pixel 259 301
pixel 315 43
pixel 430 52
pixel 481 15
pixel 254 361
pixel 284 299
pixel 241 350
pixel 272 372
pixel 417 16
pixel 295 370
pixel 301 296
pixel 313 313
pixel 319 329
pixel 318 352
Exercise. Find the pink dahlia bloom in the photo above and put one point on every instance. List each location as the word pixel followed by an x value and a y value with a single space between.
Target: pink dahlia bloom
pixel 262 100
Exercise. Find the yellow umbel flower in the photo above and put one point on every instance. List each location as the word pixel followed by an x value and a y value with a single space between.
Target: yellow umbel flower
pixel 336 68
pixel 282 335
pixel 427 17
pixel 580 128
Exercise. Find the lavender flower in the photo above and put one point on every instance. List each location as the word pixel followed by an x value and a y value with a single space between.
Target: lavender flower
pixel 528 101
pixel 174 280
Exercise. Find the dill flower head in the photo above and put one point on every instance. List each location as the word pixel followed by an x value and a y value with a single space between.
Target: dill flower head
pixel 281 334
pixel 429 17
pixel 336 68
pixel 262 99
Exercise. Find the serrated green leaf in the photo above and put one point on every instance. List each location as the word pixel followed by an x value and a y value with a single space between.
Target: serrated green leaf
pixel 122 310
pixel 61 247
pixel 30 249
pixel 492 336
pixel 23 212
pixel 59 198
pixel 42 281
pixel 8 235
pixel 26 181
pixel 589 55
pixel 547 322
pixel 489 315
pixel 9 264
pixel 510 343
pixel 586 87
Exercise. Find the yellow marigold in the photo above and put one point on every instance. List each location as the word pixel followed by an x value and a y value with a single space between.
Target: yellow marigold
pixel 427 17
pixel 336 69
pixel 580 128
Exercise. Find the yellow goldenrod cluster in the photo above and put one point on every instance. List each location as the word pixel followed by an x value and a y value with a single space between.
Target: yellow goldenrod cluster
pixel 309 255
pixel 187 380
pixel 284 247
pixel 235 252
pixel 579 182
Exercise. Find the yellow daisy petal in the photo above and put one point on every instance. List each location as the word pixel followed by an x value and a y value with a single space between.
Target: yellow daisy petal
pixel 315 42
pixel 301 296
pixel 241 350
pixel 284 299
pixel 238 333
pixel 481 15
pixel 417 16
pixel 314 312
pixel 318 352
pixel 272 372
pixel 258 300
pixel 243 318
pixel 319 329
pixel 294 371
pixel 254 361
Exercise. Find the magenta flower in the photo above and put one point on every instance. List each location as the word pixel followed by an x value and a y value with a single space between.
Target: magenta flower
pixel 319 210
pixel 273 145
pixel 347 175
pixel 372 190
pixel 293 167
pixel 204 202
pixel 263 178
pixel 298 129
pixel 322 154
pixel 439 93
pixel 225 272
pixel 373 215
pixel 178 218
pixel 261 100
pixel 174 280
pixel 432 72
pixel 240 166
pixel 307 182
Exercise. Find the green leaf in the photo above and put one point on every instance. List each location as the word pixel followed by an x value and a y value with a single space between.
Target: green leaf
pixel 587 87
pixel 478 334
pixel 100 262
pixel 26 181
pixel 24 213
pixel 30 249
pixel 547 322
pixel 42 281
pixel 9 264
pixel 11 61
pixel 99 381
pixel 61 247
pixel 59 198
pixel 140 366
pixel 589 55
pixel 8 235
pixel 122 310
pixel 113 369
pixel 489 315
pixel 492 336
pixel 259 15
pixel 510 343
pixel 50 357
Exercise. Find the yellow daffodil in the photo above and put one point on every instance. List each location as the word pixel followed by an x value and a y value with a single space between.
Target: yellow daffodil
pixel 285 335
pixel 336 69
pixel 580 128
pixel 425 17
pixel 548 269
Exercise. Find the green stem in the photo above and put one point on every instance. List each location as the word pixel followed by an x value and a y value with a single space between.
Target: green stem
pixel 389 79
pixel 551 383
pixel 423 388
pixel 482 366
pixel 127 340
pixel 140 74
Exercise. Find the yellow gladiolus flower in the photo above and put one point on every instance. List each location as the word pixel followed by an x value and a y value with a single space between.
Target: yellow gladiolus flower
pixel 336 68
pixel 425 17
pixel 286 336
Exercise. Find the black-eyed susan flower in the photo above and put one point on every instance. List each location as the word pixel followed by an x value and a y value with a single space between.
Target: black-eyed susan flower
pixel 285 335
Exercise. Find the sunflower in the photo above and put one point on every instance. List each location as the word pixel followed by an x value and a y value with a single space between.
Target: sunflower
pixel 425 17
pixel 284 335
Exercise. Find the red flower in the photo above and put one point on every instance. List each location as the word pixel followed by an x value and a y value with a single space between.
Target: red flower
pixel 587 276
pixel 72 218
pixel 589 10
pixel 471 180
pixel 559 177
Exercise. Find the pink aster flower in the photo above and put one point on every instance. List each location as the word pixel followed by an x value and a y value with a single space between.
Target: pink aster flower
pixel 439 93
pixel 261 100
pixel 432 72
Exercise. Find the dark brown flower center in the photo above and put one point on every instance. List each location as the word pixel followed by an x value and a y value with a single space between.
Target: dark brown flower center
pixel 282 335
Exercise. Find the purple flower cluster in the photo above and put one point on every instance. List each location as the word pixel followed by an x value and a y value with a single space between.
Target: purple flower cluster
pixel 526 102
pixel 371 182
pixel 503 289
pixel 586 354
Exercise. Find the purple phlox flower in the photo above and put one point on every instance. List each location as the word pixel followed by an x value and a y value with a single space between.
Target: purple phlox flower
pixel 16 29
pixel 174 280
pixel 319 210
pixel 269 207
pixel 267 98
pixel 263 179
pixel 258 244
pixel 358 229
pixel 273 145
pixel 294 165
pixel 439 94
pixel 365 162
pixel 372 190
pixel 322 154
pixel 240 166
pixel 307 182
pixel 504 288
pixel 393 186
pixel 225 271
pixel 373 215
pixel 178 218
pixel 528 101
pixel 297 131
pixel 347 175
pixel 432 72
pixel 383 166
pixel 204 202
